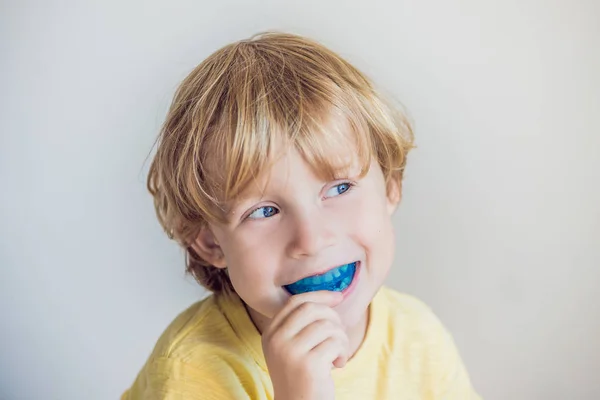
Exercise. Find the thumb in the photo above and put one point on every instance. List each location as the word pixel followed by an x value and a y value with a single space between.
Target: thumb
pixel 324 297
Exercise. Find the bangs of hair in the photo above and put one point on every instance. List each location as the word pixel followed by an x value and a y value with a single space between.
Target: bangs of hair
pixel 250 102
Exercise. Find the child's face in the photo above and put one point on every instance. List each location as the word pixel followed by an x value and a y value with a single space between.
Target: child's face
pixel 291 224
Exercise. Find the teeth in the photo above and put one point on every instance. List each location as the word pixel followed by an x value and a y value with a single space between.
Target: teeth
pixel 327 281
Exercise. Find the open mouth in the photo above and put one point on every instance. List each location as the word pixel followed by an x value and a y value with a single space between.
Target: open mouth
pixel 337 280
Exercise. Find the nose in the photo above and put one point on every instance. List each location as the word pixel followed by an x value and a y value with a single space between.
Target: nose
pixel 310 234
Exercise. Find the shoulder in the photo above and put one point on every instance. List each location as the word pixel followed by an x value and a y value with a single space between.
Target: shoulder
pixel 165 378
pixel 411 320
pixel 426 348
pixel 201 327
pixel 414 333
pixel 407 308
pixel 212 331
pixel 198 354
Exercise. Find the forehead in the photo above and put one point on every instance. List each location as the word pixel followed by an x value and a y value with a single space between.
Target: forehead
pixel 329 151
pixel 292 164
pixel 332 149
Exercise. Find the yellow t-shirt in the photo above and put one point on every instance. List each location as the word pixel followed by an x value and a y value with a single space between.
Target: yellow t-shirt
pixel 212 351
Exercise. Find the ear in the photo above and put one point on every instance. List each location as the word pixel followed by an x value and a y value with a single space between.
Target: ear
pixel 394 194
pixel 207 247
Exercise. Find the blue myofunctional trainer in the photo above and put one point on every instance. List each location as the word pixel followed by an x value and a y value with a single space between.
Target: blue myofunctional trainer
pixel 336 280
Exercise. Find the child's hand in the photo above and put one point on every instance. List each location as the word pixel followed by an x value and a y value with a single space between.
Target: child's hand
pixel 304 341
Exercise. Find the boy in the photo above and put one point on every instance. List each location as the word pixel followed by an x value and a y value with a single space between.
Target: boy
pixel 278 169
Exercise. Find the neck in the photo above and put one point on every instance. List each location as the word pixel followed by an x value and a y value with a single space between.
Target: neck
pixel 356 333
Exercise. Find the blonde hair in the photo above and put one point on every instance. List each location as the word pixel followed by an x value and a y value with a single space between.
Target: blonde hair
pixel 226 115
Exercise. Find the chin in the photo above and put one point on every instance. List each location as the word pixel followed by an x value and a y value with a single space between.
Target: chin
pixel 352 313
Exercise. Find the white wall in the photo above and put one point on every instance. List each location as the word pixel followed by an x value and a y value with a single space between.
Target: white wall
pixel 499 230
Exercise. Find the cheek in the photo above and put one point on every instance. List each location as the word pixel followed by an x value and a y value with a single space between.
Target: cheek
pixel 254 262
pixel 372 227
pixel 252 259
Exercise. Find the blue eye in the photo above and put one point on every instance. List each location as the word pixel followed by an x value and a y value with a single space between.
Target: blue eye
pixel 338 189
pixel 263 212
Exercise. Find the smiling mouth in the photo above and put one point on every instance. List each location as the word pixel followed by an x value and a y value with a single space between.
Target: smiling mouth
pixel 336 280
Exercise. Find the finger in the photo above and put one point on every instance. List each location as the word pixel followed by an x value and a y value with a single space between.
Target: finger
pixel 317 332
pixel 340 362
pixel 327 352
pixel 302 316
pixel 324 297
